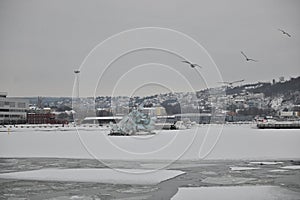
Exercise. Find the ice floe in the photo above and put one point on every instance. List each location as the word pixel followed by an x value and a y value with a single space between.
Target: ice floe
pixel 100 175
pixel 291 167
pixel 242 168
pixel 236 192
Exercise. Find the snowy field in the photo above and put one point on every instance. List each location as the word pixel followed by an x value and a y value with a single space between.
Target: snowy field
pixel 204 142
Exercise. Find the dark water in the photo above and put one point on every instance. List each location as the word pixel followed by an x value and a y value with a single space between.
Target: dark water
pixel 198 174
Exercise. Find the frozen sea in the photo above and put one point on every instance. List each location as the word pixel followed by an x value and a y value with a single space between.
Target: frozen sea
pixel 226 159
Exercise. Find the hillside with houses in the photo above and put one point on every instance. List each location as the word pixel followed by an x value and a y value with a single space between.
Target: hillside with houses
pixel 278 99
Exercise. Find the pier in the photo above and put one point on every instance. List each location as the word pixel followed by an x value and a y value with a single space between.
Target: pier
pixel 279 125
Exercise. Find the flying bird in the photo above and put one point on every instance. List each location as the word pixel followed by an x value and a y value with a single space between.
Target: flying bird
pixel 248 59
pixel 284 32
pixel 231 83
pixel 193 65
pixel 76 71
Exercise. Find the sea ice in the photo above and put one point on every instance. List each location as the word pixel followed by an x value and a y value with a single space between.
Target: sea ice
pixel 278 170
pixel 227 180
pixel 75 197
pixel 242 168
pixel 291 167
pixel 144 197
pixel 236 142
pixel 266 163
pixel 236 192
pixel 100 175
pixel 171 165
pixel 138 190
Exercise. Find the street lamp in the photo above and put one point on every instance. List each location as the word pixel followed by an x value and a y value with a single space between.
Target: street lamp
pixel 77 83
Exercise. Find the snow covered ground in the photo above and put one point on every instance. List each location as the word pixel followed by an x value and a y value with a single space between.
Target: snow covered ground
pixel 209 142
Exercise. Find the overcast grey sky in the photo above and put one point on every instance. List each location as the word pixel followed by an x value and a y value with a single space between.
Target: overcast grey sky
pixel 43 41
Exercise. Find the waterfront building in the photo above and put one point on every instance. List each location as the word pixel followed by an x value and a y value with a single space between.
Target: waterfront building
pixel 46 116
pixel 12 110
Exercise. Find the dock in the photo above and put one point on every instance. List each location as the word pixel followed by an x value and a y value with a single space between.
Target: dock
pixel 279 125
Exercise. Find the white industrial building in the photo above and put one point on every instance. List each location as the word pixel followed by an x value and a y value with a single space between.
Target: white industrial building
pixel 12 110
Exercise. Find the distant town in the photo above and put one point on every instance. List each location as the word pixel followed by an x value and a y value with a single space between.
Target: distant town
pixel 278 99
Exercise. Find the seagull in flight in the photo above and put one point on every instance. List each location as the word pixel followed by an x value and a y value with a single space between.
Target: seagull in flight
pixel 193 65
pixel 248 59
pixel 284 32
